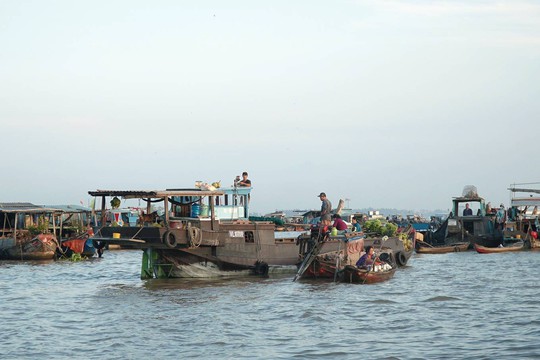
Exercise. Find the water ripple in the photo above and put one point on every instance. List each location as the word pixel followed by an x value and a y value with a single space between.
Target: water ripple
pixel 452 306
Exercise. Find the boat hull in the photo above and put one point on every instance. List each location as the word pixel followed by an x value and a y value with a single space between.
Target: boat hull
pixel 352 274
pixel 490 250
pixel 41 247
pixel 423 249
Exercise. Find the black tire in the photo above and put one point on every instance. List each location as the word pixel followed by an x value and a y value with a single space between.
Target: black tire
pixel 401 259
pixel 169 239
pixel 99 245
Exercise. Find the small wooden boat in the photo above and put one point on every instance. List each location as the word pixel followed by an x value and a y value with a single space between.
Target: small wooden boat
pixel 40 247
pixel 425 248
pixel 353 274
pixel 517 246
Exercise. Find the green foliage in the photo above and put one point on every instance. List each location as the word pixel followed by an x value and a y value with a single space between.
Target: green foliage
pixel 42 227
pixel 115 203
pixel 76 257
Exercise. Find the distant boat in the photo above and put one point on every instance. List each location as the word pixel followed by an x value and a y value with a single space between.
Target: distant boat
pixel 516 246
pixel 424 248
pixel 478 228
pixel 25 232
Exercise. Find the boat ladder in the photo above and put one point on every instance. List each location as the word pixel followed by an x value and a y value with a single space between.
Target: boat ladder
pixel 309 257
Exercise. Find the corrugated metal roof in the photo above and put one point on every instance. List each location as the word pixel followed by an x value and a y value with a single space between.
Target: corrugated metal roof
pixel 26 208
pixel 134 194
pixel 70 208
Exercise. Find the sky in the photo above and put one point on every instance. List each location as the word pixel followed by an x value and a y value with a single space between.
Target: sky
pixel 396 104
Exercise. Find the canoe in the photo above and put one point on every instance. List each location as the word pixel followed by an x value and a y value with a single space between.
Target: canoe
pixel 518 246
pixel 352 274
pixel 457 247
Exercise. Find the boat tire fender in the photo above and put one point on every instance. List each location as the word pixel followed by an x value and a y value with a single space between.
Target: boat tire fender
pixel 401 259
pixel 169 239
pixel 99 245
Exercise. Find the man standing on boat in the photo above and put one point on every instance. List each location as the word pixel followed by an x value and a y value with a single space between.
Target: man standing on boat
pixel 467 211
pixel 326 205
pixel 500 218
pixel 245 182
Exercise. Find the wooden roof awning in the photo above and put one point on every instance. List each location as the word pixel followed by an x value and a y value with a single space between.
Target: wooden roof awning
pixel 138 194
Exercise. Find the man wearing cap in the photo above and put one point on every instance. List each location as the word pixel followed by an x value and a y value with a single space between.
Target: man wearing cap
pixel 326 205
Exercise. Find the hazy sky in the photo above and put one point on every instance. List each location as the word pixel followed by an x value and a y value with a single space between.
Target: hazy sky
pixel 386 103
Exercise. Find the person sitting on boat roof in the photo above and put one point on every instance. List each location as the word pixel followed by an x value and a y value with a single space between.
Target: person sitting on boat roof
pixel 467 211
pixel 366 260
pixel 339 224
pixel 356 225
pixel 244 182
pixel 326 205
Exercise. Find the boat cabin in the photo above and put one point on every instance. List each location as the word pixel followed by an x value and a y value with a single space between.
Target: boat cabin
pixel 475 224
pixel 22 220
pixel 524 211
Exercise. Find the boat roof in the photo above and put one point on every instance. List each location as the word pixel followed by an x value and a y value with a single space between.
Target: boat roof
pixel 25 207
pixel 528 201
pixel 140 194
pixel 465 199
pixel 514 189
pixel 70 208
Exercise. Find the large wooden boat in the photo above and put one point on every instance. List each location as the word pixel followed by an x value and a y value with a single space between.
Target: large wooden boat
pixel 515 246
pixel 401 247
pixel 523 215
pixel 317 263
pixel 424 248
pixel 24 234
pixel 478 228
pixel 201 233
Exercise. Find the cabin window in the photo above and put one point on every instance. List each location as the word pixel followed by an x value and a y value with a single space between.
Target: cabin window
pixel 248 237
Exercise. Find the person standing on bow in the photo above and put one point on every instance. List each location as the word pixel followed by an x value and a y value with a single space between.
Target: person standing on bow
pixel 500 218
pixel 326 205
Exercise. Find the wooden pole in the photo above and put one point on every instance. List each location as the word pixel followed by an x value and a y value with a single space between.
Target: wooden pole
pixel 103 211
pixel 61 228
pixel 212 214
pixel 166 205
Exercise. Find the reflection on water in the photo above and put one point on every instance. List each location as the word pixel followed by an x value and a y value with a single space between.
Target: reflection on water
pixel 461 305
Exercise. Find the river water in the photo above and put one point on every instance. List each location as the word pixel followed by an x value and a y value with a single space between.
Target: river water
pixel 448 306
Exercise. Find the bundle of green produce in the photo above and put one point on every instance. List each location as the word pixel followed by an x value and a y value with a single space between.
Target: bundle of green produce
pixel 376 227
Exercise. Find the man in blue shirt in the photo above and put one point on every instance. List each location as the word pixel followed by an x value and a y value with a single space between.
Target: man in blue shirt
pixel 355 225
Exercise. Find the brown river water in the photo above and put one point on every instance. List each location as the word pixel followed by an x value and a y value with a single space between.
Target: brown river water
pixel 448 306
